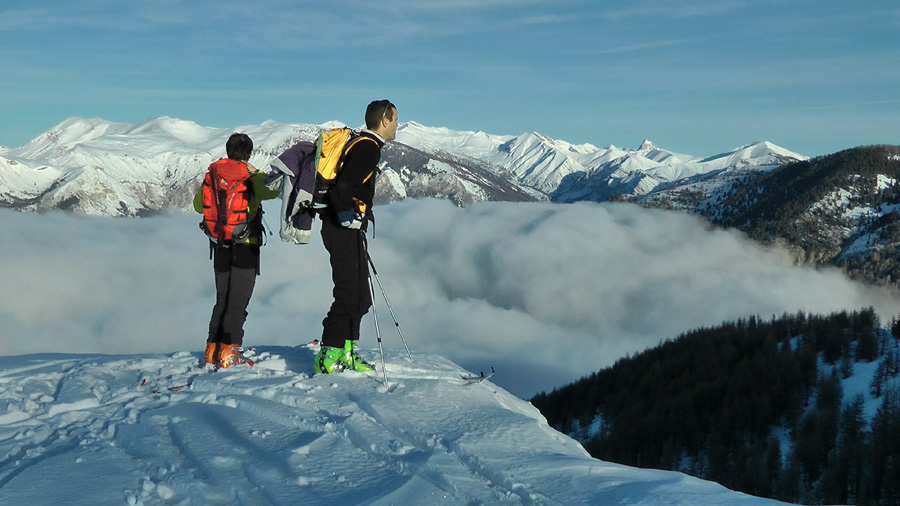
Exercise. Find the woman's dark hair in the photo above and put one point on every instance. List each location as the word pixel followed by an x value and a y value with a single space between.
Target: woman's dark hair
pixel 239 147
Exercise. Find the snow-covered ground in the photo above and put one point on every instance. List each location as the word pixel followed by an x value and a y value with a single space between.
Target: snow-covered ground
pixel 106 429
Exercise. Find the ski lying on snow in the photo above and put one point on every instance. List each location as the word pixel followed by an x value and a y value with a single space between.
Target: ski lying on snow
pixel 469 380
pixel 177 388
pixel 173 388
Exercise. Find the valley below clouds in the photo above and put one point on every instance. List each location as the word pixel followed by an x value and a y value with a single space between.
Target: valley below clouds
pixel 544 293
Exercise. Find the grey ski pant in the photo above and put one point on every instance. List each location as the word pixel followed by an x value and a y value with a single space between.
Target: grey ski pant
pixel 235 270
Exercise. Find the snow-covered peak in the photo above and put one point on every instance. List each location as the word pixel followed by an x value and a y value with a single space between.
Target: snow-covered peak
pixel 765 148
pixel 165 129
pixel 646 146
pixel 153 429
pixel 70 133
pixel 328 125
pixel 441 139
pixel 527 142
pixel 757 154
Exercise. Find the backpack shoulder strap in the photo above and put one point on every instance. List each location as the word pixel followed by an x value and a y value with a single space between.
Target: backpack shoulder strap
pixel 358 137
pixel 353 142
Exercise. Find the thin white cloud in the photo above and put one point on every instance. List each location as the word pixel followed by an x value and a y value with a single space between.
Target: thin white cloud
pixel 653 45
pixel 848 105
pixel 678 9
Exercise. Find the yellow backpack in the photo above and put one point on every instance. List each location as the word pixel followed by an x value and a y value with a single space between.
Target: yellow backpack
pixel 331 147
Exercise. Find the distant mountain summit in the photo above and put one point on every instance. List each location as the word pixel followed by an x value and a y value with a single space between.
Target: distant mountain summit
pixel 646 146
pixel 99 167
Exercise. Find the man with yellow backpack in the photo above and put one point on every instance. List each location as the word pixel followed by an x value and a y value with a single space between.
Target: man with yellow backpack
pixel 344 223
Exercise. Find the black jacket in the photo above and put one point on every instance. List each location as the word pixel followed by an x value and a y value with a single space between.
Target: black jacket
pixel 354 189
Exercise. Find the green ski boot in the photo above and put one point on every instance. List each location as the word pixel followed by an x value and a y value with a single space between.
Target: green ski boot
pixel 329 360
pixel 351 360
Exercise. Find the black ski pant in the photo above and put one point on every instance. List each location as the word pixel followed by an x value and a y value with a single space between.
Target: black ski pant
pixel 350 274
pixel 235 268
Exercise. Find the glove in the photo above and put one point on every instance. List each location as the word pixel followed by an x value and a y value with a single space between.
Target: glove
pixel 350 219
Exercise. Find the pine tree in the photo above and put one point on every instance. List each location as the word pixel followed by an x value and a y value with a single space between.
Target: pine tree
pixel 885 472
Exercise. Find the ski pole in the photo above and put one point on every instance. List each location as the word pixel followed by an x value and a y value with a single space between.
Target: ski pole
pixel 378 334
pixel 386 301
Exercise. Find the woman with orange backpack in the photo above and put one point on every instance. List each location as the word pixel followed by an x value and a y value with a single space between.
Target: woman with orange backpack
pixel 230 200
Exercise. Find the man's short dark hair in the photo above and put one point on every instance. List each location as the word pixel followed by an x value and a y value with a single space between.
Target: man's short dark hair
pixel 239 147
pixel 377 110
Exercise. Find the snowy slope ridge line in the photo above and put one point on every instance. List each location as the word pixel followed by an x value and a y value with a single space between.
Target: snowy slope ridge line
pixel 88 430
pixel 94 166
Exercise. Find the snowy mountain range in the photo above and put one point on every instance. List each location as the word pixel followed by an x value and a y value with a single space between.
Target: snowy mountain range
pixel 98 167
pixel 155 429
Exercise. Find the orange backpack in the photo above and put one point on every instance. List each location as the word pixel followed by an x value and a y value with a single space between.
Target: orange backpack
pixel 226 198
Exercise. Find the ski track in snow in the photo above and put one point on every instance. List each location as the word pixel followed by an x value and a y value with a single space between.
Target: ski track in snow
pixel 97 429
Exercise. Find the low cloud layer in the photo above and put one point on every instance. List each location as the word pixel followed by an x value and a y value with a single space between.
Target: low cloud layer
pixel 545 293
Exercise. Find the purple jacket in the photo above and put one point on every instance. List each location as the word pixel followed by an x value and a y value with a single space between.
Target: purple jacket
pixel 294 171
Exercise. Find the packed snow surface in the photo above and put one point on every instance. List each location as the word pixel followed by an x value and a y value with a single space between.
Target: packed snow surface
pixel 105 429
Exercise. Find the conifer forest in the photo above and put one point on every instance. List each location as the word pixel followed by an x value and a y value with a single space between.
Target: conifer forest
pixel 756 405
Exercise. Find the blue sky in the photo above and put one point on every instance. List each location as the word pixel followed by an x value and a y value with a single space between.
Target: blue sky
pixel 694 76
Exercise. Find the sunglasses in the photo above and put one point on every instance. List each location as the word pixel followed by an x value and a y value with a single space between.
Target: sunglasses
pixel 386 109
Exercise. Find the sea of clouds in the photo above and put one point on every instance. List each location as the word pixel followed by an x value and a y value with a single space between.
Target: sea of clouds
pixel 544 293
